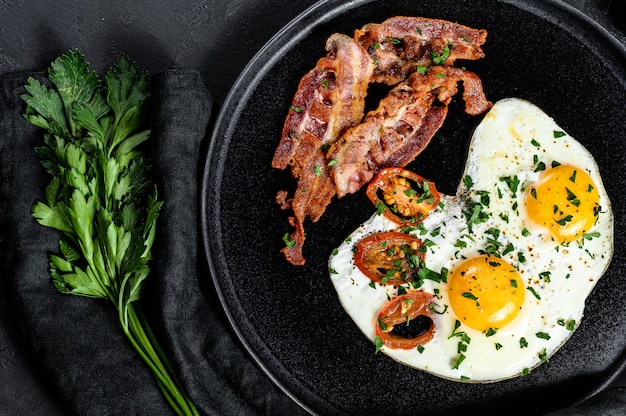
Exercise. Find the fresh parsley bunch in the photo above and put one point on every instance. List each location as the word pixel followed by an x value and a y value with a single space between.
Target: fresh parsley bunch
pixel 101 196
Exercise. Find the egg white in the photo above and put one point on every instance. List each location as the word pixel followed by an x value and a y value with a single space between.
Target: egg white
pixel 513 135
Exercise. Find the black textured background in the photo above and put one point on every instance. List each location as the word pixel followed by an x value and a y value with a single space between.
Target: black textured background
pixel 216 39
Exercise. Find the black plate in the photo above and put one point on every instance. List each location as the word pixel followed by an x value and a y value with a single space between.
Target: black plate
pixel 290 319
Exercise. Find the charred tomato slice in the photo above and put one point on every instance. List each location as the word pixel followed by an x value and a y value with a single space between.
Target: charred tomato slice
pixel 402 196
pixel 406 321
pixel 390 257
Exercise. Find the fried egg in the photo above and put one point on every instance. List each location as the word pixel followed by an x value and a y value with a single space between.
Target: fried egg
pixel 517 250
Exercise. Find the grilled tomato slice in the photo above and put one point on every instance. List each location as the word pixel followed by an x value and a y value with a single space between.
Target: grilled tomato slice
pixel 389 258
pixel 406 321
pixel 402 196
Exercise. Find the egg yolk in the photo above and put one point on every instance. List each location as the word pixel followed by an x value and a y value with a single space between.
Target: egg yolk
pixel 485 292
pixel 565 201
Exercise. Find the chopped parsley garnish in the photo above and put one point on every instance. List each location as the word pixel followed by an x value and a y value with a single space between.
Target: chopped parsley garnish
pixel 539 165
pixel 462 346
pixel 591 236
pixel 458 361
pixel 491 332
pixel 545 276
pixel 288 242
pixel 543 335
pixel 569 325
pixel 535 294
pixel 572 198
pixel 469 295
pixel 440 57
pixel 380 207
pixel 379 344
pixel 484 198
pixel 460 243
pixel 475 214
pixel 382 324
pixel 424 273
pixel 432 307
pixel 464 337
pixel 564 220
pixel 512 183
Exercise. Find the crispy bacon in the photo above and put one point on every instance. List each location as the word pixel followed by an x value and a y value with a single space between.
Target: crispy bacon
pixel 399 44
pixel 329 100
pixel 402 125
pixel 314 192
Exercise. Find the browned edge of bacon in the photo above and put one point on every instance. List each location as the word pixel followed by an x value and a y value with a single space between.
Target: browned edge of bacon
pixel 330 101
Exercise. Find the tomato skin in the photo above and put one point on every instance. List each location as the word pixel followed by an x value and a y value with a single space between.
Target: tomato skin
pixel 389 257
pixel 397 311
pixel 406 196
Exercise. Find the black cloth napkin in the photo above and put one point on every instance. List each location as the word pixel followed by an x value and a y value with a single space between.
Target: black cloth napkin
pixel 75 343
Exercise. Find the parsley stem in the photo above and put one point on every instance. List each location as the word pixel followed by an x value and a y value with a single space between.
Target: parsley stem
pixel 139 333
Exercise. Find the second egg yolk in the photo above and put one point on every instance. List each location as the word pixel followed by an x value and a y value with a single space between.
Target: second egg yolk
pixel 565 201
pixel 485 292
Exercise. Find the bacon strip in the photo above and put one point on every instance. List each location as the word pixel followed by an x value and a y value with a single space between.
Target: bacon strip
pixel 402 125
pixel 399 44
pixel 329 100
